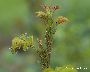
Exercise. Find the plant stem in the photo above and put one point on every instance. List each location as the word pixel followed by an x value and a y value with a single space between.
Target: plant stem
pixel 46 54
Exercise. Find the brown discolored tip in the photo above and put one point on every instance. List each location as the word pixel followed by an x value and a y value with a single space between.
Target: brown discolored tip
pixel 54 7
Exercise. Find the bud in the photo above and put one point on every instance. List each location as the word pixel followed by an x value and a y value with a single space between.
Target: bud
pixel 54 8
pixel 45 7
pixel 61 20
pixel 40 14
